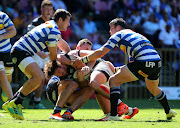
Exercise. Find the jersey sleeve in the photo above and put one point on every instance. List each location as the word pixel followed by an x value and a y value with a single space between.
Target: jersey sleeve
pixel 113 41
pixel 6 21
pixel 53 38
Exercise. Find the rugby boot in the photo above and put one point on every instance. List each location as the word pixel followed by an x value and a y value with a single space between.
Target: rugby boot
pixel 135 111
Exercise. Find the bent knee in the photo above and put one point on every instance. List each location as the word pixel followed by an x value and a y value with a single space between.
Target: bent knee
pixel 113 82
pixel 74 85
pixel 88 91
pixel 93 84
pixel 40 77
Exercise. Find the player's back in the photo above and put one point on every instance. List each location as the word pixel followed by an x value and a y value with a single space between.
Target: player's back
pixel 39 38
pixel 5 22
pixel 135 45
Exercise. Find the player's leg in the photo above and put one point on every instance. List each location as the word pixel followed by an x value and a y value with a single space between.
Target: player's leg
pixel 36 98
pixel 97 79
pixel 8 64
pixel 71 86
pixel 152 86
pixel 5 85
pixel 68 87
pixel 99 82
pixel 122 76
pixel 104 103
pixel 35 75
pixel 77 100
pixel 9 72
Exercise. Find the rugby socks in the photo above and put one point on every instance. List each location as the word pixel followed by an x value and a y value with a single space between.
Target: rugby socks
pixel 19 99
pixel 37 100
pixel 69 110
pixel 104 88
pixel 114 96
pixel 57 109
pixel 15 95
pixel 130 111
pixel 163 101
pixel 119 101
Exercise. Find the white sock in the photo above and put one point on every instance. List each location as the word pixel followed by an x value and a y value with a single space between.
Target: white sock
pixel 130 111
pixel 37 99
pixel 119 101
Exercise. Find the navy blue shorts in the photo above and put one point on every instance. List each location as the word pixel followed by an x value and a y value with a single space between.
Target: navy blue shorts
pixel 147 69
pixel 6 58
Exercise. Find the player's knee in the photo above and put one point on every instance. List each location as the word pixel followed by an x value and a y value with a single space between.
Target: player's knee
pixel 113 83
pixel 88 91
pixel 93 85
pixel 40 77
pixel 74 85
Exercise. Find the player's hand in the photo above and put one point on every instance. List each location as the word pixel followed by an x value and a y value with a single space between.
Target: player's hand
pixel 77 63
pixel 80 75
pixel 85 70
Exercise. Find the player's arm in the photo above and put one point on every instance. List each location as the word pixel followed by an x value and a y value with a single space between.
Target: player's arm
pixel 63 45
pixel 96 54
pixel 11 32
pixel 93 56
pixel 63 59
pixel 52 53
pixel 43 55
pixel 83 53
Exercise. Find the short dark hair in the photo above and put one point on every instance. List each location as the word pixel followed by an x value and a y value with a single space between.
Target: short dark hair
pixel 83 41
pixel 119 21
pixel 50 68
pixel 61 13
pixel 46 2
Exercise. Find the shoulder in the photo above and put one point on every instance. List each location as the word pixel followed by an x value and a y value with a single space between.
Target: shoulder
pixel 3 15
pixel 37 21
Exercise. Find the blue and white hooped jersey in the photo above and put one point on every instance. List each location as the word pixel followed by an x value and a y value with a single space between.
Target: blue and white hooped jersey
pixel 42 36
pixel 5 22
pixel 135 45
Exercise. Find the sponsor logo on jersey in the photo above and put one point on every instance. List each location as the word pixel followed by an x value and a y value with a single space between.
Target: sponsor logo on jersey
pixel 123 48
pixel 1 26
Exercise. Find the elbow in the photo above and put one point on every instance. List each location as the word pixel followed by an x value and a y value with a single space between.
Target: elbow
pixel 14 32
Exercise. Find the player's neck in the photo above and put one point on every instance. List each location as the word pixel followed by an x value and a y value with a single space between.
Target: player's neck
pixel 44 18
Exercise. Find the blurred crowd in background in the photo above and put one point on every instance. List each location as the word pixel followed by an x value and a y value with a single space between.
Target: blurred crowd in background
pixel 158 20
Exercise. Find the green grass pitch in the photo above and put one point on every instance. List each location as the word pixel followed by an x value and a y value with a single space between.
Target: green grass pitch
pixel 150 115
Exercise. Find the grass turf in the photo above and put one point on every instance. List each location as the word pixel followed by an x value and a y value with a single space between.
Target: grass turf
pixel 86 118
pixel 151 115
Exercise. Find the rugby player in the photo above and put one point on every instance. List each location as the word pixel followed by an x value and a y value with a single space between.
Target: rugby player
pixel 146 65
pixel 42 36
pixel 98 77
pixel 7 31
pixel 42 56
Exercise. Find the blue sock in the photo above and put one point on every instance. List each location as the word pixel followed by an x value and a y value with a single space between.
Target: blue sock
pixel 69 110
pixel 57 109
